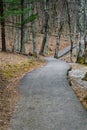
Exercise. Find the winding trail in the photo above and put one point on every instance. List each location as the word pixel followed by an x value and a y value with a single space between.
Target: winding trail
pixel 48 102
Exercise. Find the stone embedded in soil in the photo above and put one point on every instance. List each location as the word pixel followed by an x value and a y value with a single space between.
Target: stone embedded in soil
pixel 77 73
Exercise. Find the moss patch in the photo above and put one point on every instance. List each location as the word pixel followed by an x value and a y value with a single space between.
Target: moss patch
pixel 85 102
pixel 85 77
pixel 81 60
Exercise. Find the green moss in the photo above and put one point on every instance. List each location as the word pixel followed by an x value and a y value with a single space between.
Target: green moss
pixel 11 70
pixel 81 60
pixel 85 105
pixel 85 77
pixel 8 74
pixel 85 102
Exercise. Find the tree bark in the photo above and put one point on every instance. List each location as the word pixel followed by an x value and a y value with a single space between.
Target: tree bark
pixel 81 28
pixel 34 39
pixel 70 29
pixel 22 49
pixel 17 40
pixel 45 28
pixel 33 26
pixel 58 39
pixel 45 33
pixel 2 26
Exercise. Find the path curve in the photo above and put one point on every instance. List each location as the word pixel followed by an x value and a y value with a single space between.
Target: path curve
pixel 47 101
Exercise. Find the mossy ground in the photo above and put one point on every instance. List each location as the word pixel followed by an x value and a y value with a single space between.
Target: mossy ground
pixel 12 70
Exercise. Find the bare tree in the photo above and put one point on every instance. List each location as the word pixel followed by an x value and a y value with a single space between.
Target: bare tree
pixel 45 27
pixel 81 28
pixel 2 21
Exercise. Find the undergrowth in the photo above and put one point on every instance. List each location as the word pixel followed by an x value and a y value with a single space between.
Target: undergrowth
pixel 12 70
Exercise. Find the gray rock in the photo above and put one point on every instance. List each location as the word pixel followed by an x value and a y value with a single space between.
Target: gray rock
pixel 77 73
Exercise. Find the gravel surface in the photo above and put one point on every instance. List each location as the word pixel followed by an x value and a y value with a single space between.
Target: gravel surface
pixel 48 102
pixel 77 73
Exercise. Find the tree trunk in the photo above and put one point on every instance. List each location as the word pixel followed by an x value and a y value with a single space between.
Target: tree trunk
pixel 2 26
pixel 57 46
pixel 81 28
pixel 45 33
pixel 70 29
pixel 34 40
pixel 22 49
pixel 33 26
pixel 45 28
pixel 58 38
pixel 47 45
pixel 17 40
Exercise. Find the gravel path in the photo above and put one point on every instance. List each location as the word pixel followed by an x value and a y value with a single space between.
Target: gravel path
pixel 47 101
